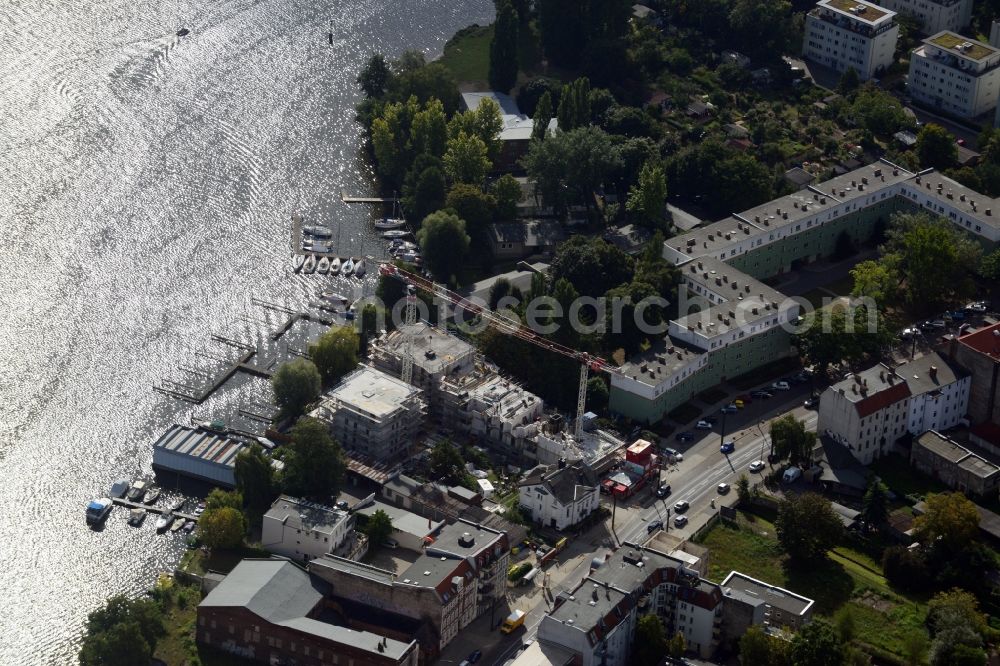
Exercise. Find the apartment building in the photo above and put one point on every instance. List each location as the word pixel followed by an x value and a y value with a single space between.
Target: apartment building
pixel 304 530
pixel 436 356
pixel 272 612
pixel 841 34
pixel 597 619
pixel 372 414
pixel 934 15
pixel 492 408
pixel 723 266
pixel 979 353
pixel 750 602
pixel 870 410
pixel 559 496
pixel 956 75
pixel 487 551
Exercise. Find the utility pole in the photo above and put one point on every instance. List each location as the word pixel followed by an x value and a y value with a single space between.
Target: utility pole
pixel 614 505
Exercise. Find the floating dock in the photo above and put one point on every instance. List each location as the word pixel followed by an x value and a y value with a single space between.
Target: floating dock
pixel 367 200
pixel 152 508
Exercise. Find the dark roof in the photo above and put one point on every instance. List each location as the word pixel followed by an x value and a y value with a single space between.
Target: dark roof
pixel 535 233
pixel 563 483
pixel 919 377
pixel 799 176
pixel 275 590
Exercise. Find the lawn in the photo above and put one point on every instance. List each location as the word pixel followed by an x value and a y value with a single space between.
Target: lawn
pixel 467 55
pixel 896 473
pixel 849 577
pixel 199 562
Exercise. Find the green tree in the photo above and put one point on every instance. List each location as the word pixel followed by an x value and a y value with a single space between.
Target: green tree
pixel 592 265
pixel 875 506
pixel 424 81
pixel 336 352
pixel 391 131
pixel 648 198
pixel 503 48
pixel 429 130
pixel 471 204
pixel 746 17
pixel 677 645
pixel 956 603
pixel 445 243
pixel 222 528
pixel 807 527
pixel 743 490
pixel 375 76
pixel 542 117
pixel 791 440
pixel 936 147
pixel 950 518
pixel 877 280
pixel 426 195
pixel 915 645
pixel 569 166
pixel 849 81
pixel 508 194
pixel 850 335
pixel 566 111
pixel 846 626
pixel 989 267
pixel 816 644
pixel 484 122
pixel 296 384
pixel 877 111
pixel 447 463
pixel 220 499
pixel 755 647
pixel 597 395
pixel 255 480
pixel 121 645
pixel 378 528
pixel 465 160
pixel 314 462
pixel 650 641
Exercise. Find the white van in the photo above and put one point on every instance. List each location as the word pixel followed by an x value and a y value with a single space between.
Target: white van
pixel 791 474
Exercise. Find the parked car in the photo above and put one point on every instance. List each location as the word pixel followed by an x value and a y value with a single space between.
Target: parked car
pixel 475 656
pixel 663 491
pixel 685 436
pixel 681 507
pixel 791 474
pixel 811 403
pixel 674 454
pixel 745 397
pixel 723 488
pixel 727 447
pixel 909 332
pixel 978 306
pixel 390 543
pixel 757 466
pixel 712 419
pixel 703 425
pixel 781 386
pixel 730 409
pixel 681 521
pixel 343 505
pixel 739 404
pixel 764 395
pixel 653 526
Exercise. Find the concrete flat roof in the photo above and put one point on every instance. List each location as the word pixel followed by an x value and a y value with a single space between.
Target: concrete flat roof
pixel 753 590
pixel 403 520
pixel 301 514
pixel 373 392
pixel 433 348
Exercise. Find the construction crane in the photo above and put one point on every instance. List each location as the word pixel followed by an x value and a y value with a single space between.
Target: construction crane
pixel 500 322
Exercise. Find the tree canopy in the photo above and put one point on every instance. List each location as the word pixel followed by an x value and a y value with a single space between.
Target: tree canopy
pixel 817 644
pixel 314 462
pixel 336 352
pixel 568 166
pixel 222 528
pixel 650 641
pixel 466 160
pixel 807 527
pixel 122 633
pixel 447 463
pixel 834 335
pixel 255 480
pixel 875 505
pixel 591 265
pixel 951 518
pixel 791 440
pixel 378 528
pixel 445 243
pixel 296 384
pixel 936 147
pixel 647 199
pixel 503 48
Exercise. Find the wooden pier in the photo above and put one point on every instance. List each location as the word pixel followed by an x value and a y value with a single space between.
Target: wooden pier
pixel 152 508
pixel 367 200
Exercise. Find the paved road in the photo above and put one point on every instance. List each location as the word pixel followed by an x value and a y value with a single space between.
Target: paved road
pixel 695 480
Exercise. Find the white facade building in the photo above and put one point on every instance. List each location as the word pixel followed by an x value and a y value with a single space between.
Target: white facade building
pixel 560 497
pixel 304 530
pixel 955 74
pixel 934 15
pixel 870 410
pixel 841 34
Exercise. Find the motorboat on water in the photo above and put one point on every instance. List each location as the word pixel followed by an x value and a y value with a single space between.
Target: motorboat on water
pixel 331 297
pixel 310 265
pixel 395 233
pixel 189 526
pixel 183 32
pixel 164 521
pixel 136 492
pixel 402 244
pixel 323 265
pixel 298 261
pixel 347 267
pixel 389 223
pixel 319 232
pixel 152 495
pixel 177 525
pixel 335 266
pixel 98 510
pixel 359 269
pixel 120 487
pixel 320 247
pixel 136 517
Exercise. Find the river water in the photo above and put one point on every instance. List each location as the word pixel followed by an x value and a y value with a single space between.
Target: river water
pixel 146 184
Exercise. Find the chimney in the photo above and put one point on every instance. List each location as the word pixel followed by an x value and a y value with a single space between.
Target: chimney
pixel 934 372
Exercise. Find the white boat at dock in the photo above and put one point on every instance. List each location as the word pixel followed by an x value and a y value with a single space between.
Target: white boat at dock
pixel 298 261
pixel 177 525
pixel 359 269
pixel 318 232
pixel 335 266
pixel 389 223
pixel 347 267
pixel 98 510
pixel 120 487
pixel 395 233
pixel 152 495
pixel 310 265
pixel 164 521
pixel 136 493
pixel 323 266
pixel 136 517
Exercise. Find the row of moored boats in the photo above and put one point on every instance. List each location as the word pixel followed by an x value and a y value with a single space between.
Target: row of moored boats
pixel 330 265
pixel 147 494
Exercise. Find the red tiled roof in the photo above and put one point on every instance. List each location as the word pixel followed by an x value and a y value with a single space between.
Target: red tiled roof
pixel 985 341
pixel 882 399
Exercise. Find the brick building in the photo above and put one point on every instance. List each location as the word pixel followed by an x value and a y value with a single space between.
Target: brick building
pixel 979 353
